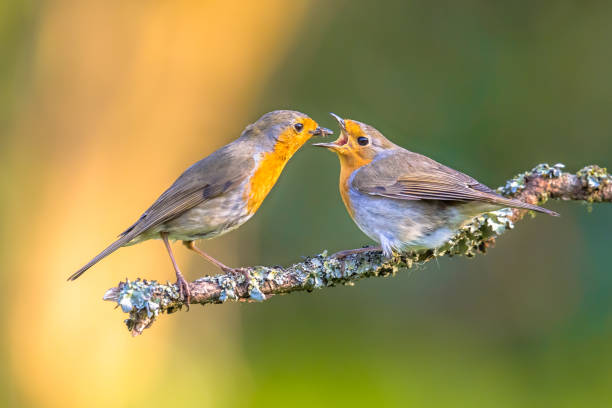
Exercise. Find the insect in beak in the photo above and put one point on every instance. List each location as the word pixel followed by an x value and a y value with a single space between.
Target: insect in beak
pixel 321 131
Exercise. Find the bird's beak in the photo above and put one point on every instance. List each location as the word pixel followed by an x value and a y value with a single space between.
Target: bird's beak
pixel 340 121
pixel 342 140
pixel 321 131
pixel 332 146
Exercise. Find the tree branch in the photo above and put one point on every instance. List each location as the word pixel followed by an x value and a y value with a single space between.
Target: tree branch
pixel 145 300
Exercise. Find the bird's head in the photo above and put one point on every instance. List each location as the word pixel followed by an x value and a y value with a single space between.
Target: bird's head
pixel 358 142
pixel 289 128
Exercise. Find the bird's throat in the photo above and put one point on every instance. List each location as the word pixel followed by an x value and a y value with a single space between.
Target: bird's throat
pixel 270 167
pixel 348 165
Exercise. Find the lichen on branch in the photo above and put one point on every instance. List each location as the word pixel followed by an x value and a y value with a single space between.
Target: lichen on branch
pixel 145 300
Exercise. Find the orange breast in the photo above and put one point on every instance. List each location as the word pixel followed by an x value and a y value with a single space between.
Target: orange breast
pixel 269 169
pixel 349 165
pixel 344 191
pixel 266 175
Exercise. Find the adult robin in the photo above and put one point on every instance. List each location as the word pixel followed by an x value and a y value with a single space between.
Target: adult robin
pixel 404 200
pixel 222 191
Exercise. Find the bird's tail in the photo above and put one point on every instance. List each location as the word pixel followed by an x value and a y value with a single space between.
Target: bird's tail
pixel 109 250
pixel 510 202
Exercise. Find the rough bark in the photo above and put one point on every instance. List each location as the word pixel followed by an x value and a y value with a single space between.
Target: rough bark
pixel 145 300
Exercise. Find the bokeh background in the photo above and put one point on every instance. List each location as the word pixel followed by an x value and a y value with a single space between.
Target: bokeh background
pixel 103 103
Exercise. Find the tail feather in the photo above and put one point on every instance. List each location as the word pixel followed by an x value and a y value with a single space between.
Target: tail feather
pixel 520 204
pixel 109 250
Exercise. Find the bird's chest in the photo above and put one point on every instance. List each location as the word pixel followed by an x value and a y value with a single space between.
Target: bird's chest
pixel 346 178
pixel 267 171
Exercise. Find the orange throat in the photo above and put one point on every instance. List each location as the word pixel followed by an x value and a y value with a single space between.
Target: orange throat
pixel 269 169
pixel 349 165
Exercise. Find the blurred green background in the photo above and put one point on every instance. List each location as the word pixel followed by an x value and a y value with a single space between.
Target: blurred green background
pixel 104 103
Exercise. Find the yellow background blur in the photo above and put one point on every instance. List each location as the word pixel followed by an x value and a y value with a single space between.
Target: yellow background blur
pixel 104 103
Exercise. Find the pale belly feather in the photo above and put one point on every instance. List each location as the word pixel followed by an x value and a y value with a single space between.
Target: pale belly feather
pixel 209 219
pixel 401 225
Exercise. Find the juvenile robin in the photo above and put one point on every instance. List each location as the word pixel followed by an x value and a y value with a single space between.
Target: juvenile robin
pixel 220 192
pixel 404 200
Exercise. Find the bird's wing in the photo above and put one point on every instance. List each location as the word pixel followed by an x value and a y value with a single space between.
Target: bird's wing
pixel 210 177
pixel 405 175
pixel 410 176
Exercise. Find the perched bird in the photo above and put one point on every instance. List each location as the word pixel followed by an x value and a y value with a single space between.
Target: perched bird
pixel 404 200
pixel 222 191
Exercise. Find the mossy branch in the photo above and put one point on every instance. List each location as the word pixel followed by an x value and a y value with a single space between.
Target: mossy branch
pixel 145 300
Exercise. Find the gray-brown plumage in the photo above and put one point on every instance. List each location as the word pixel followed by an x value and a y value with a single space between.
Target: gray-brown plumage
pixel 405 200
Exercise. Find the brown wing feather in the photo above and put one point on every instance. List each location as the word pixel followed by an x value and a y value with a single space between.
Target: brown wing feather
pixel 206 179
pixel 405 175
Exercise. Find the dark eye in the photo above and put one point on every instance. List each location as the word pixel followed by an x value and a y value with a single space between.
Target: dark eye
pixel 298 127
pixel 362 141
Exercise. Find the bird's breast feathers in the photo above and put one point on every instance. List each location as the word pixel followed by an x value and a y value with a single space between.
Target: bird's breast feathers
pixel 268 168
pixel 348 170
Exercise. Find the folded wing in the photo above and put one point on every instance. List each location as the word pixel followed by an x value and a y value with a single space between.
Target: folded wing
pixel 404 175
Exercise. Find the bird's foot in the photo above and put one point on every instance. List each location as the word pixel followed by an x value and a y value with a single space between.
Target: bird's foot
pixel 343 254
pixel 237 273
pixel 184 290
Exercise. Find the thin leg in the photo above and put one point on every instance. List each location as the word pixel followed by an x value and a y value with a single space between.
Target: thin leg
pixel 180 280
pixel 344 254
pixel 219 264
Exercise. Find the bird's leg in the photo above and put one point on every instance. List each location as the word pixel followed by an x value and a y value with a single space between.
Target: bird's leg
pixel 344 254
pixel 219 264
pixel 180 280
pixel 191 245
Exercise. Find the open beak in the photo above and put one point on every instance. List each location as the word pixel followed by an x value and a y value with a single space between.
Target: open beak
pixel 340 121
pixel 332 145
pixel 341 141
pixel 321 131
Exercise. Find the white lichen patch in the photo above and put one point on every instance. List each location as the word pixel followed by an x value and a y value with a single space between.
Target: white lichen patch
pixel 229 287
pixel 144 300
pixel 145 295
pixel 517 183
pixel 469 240
pixel 594 177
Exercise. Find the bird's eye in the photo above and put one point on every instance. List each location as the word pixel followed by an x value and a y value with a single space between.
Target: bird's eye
pixel 363 141
pixel 298 127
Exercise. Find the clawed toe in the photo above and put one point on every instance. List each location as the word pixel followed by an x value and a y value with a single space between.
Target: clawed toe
pixel 184 291
pixel 343 254
pixel 237 272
